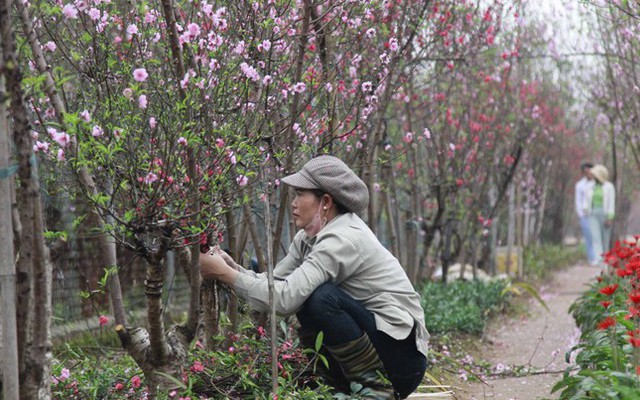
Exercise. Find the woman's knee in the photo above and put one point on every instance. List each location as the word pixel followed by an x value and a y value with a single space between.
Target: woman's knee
pixel 318 303
pixel 321 298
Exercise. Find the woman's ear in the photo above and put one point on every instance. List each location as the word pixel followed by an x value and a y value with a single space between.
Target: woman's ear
pixel 326 201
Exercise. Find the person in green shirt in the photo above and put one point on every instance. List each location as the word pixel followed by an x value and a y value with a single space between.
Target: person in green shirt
pixel 601 201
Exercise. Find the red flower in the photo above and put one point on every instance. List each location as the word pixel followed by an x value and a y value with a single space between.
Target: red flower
pixel 197 367
pixel 634 337
pixel 635 296
pixel 624 253
pixel 633 312
pixel 611 259
pixel 623 272
pixel 136 382
pixel 119 386
pixel 634 263
pixel 103 320
pixel 605 304
pixel 608 322
pixel 609 290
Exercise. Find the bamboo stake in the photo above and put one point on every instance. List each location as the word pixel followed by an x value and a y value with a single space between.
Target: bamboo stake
pixel 272 307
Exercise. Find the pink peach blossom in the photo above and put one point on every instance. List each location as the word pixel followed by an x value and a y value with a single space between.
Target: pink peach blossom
pixel 140 74
pixel 142 101
pixel 70 11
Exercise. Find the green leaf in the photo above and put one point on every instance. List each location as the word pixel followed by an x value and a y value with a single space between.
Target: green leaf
pixel 355 387
pixel 324 360
pixel 177 382
pixel 128 215
pixel 527 287
pixel 319 340
pixel 50 235
pixel 78 221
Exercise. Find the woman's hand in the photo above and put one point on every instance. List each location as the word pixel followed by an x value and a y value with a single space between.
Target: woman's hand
pixel 213 266
pixel 226 257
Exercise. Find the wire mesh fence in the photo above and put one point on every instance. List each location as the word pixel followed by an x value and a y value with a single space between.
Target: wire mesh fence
pixel 79 293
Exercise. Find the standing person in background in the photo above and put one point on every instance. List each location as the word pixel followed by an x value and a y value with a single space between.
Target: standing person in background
pixel 583 188
pixel 602 202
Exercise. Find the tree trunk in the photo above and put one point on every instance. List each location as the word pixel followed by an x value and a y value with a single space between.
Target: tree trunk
pixel 519 219
pixel 34 361
pixel 157 353
pixel 40 352
pixel 541 208
pixel 391 226
pixel 431 229
pixel 259 318
pixel 210 312
pixel 257 246
pixel 489 253
pixel 235 253
pixel 10 388
pixel 512 227
pixel 137 342
pixel 412 225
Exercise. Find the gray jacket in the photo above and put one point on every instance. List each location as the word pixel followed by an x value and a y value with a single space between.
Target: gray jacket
pixel 346 253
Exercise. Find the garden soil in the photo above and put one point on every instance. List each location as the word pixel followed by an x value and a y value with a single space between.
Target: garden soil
pixel 539 340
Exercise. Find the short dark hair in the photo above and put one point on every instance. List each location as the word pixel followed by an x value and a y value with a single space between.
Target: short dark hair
pixel 339 207
pixel 586 165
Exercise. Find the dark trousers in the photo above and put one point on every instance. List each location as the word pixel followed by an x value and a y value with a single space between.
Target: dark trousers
pixel 342 319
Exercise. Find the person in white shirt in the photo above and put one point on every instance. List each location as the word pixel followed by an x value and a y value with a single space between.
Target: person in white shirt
pixel 583 188
pixel 601 201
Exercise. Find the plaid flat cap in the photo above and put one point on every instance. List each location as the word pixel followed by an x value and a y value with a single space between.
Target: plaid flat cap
pixel 334 177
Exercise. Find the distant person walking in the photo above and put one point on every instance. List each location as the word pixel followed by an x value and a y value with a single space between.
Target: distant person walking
pixel 602 201
pixel 583 188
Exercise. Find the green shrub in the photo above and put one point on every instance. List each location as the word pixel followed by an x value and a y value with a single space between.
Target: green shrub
pixel 602 370
pixel 540 261
pixel 606 363
pixel 461 306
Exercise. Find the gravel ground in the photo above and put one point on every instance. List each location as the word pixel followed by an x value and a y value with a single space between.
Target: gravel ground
pixel 540 341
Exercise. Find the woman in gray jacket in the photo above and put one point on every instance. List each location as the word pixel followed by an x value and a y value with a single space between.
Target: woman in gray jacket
pixel 339 279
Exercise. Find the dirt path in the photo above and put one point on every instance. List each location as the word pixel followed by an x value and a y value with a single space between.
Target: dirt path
pixel 539 340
